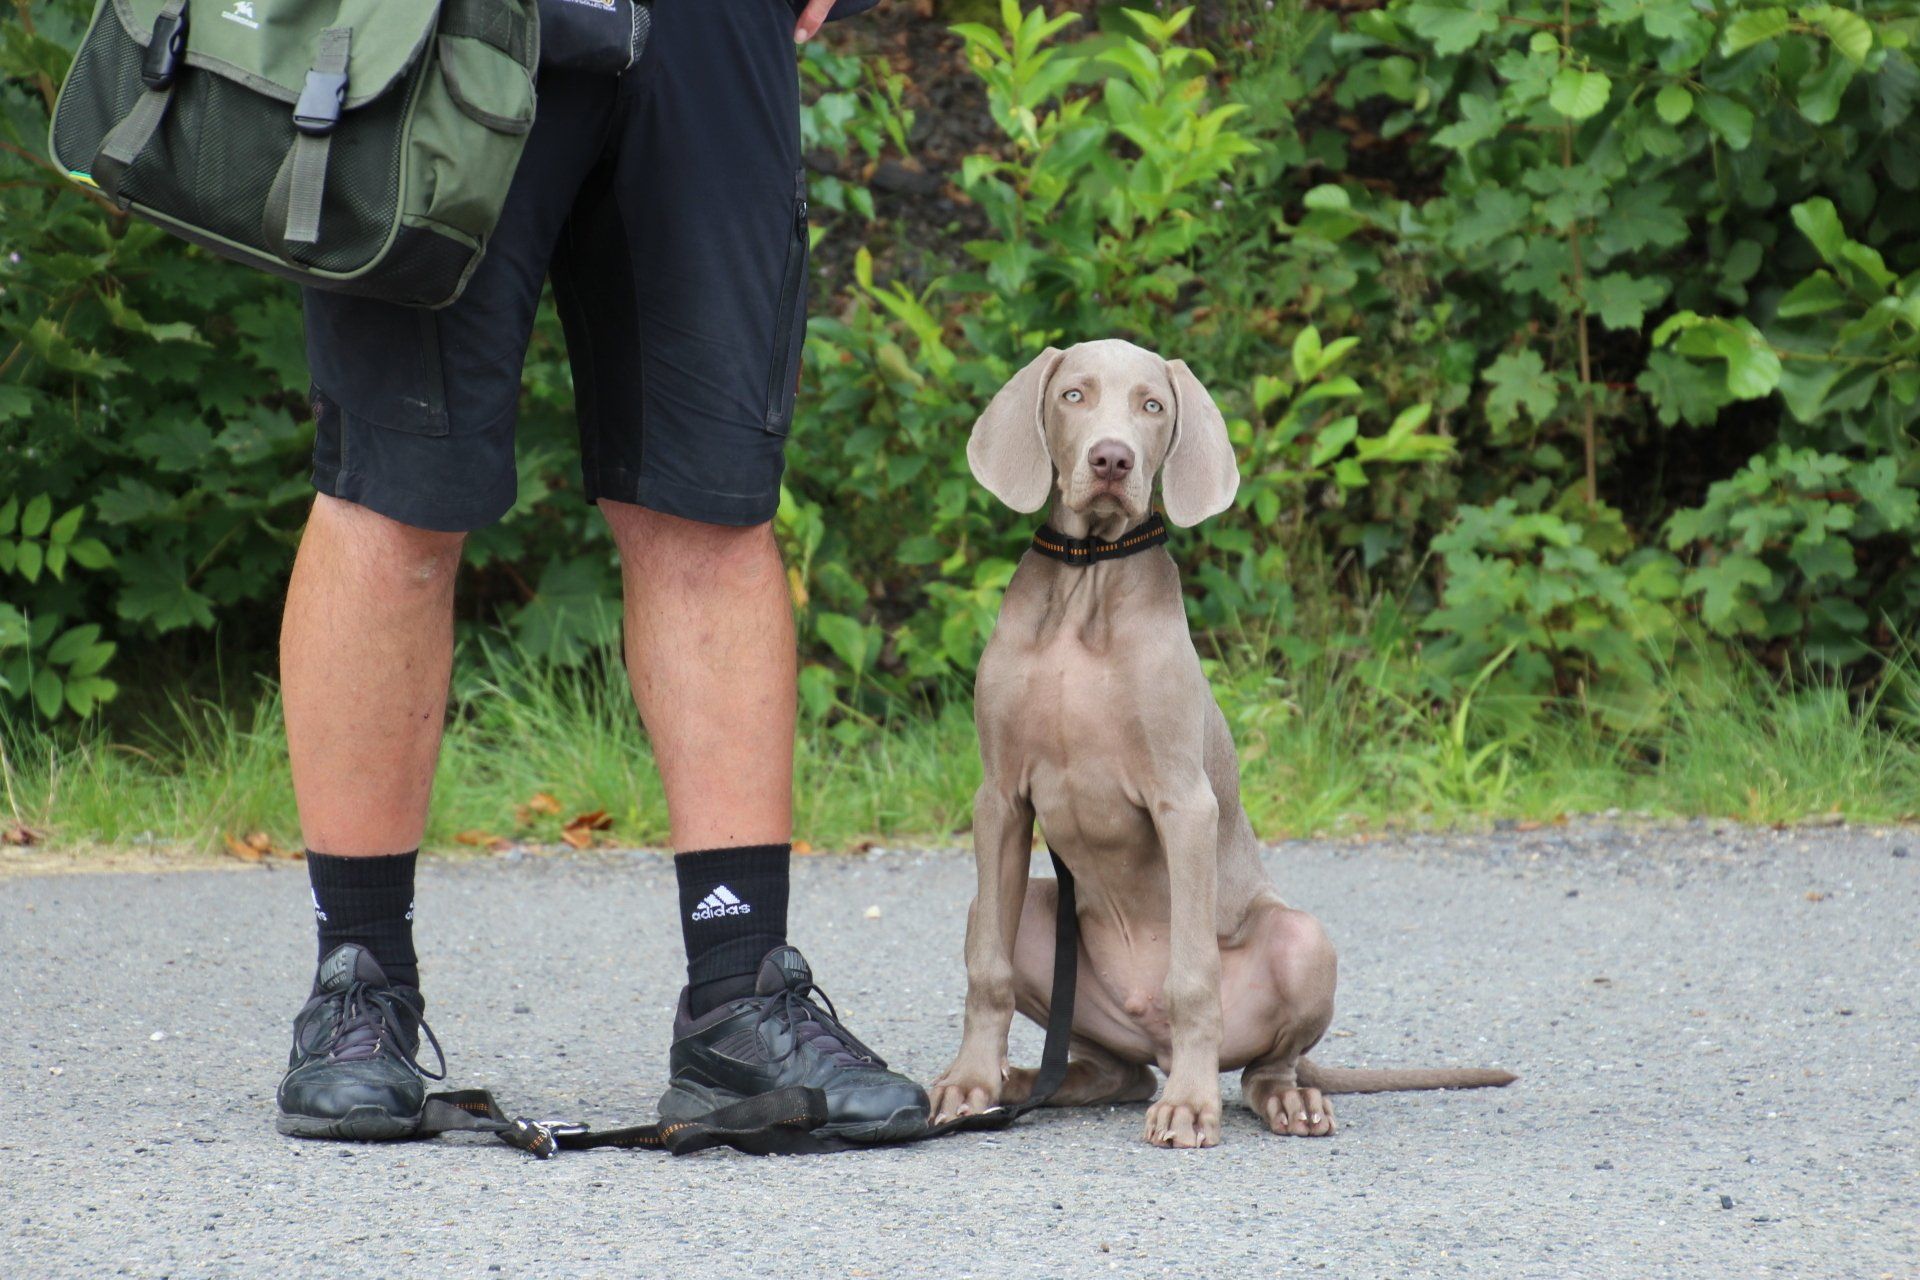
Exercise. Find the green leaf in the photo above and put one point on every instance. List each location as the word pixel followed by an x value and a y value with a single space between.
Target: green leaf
pixel 91 660
pixel 1817 294
pixel 1752 27
pixel 1820 92
pixel 48 692
pixel 73 643
pixel 90 553
pixel 1641 218
pixel 1850 34
pixel 921 549
pixel 1730 119
pixel 1451 28
pixel 33 521
pixel 1673 103
pixel 1819 222
pixel 1683 390
pixel 1521 384
pixel 1334 437
pixel 157 592
pixel 1307 359
pixel 66 526
pixel 28 561
pixel 1753 367
pixel 1495 212
pixel 1623 300
pixel 1481 120
pixel 1578 94
pixel 1724 588
pixel 845 636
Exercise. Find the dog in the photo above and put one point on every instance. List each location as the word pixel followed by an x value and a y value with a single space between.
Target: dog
pixel 1095 719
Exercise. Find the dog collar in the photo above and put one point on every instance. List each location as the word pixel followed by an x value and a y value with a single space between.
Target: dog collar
pixel 1150 532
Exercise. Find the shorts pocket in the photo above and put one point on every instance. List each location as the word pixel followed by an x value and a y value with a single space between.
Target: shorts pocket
pixel 378 361
pixel 790 321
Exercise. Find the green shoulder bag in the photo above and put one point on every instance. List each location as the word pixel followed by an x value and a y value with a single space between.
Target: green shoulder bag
pixel 362 146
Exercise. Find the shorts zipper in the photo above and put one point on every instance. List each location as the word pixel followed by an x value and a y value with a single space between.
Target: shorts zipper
pixel 781 369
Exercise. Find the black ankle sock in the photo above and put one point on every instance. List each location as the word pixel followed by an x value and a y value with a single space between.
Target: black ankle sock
pixel 368 901
pixel 733 910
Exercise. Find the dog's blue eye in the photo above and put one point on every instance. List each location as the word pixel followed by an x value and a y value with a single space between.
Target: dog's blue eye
pixel 1073 397
pixel 1153 406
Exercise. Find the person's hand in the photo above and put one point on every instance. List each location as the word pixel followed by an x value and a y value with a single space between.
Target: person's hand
pixel 811 19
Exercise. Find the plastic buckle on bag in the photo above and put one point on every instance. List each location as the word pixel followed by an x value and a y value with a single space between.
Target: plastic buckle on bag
pixel 165 48
pixel 321 99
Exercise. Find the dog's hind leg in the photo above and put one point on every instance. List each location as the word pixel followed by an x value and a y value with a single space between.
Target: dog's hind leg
pixel 1299 961
pixel 1094 1076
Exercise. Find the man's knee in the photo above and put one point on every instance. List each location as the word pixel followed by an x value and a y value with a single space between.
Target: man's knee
pixel 383 549
pixel 655 543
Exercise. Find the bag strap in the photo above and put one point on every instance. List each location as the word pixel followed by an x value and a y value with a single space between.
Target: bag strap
pixel 166 49
pixel 782 1122
pixel 499 25
pixel 292 214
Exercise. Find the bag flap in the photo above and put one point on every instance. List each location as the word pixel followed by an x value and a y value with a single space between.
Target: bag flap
pixel 268 45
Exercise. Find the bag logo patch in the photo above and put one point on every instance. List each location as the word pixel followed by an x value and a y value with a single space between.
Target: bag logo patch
pixel 242 13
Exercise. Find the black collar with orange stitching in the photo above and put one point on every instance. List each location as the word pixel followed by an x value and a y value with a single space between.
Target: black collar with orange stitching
pixel 1049 542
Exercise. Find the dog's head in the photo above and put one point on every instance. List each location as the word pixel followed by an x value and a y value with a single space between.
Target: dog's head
pixel 1104 418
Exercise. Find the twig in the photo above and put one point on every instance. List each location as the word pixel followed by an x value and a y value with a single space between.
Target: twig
pixel 1579 290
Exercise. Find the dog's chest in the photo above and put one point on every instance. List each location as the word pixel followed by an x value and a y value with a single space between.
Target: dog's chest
pixel 1063 716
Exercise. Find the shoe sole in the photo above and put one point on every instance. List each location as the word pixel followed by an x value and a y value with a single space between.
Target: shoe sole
pixel 685 1101
pixel 362 1124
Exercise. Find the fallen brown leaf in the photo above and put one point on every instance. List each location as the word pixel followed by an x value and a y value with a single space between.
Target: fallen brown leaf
pixel 802 847
pixel 1814 895
pixel 578 832
pixel 19 834
pixel 243 849
pixel 542 802
pixel 482 840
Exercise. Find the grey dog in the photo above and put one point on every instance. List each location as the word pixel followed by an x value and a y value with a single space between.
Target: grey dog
pixel 1096 719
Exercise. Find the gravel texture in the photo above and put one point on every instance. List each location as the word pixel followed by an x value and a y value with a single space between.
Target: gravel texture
pixel 1718 1032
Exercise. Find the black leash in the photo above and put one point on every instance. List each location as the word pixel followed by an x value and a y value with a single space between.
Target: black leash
pixel 1080 552
pixel 782 1122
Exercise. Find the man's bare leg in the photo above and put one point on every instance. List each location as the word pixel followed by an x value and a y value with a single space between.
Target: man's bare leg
pixel 710 653
pixel 366 648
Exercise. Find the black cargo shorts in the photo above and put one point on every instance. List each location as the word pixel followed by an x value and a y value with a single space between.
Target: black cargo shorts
pixel 669 206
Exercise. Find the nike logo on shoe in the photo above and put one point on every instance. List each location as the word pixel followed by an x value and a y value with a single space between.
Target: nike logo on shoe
pixel 721 902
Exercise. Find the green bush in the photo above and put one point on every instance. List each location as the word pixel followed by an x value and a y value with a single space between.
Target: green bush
pixel 1546 334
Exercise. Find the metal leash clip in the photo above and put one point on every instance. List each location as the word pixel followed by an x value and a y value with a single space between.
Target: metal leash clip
pixel 540 1138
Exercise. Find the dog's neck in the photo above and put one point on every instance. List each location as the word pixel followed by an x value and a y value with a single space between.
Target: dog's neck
pixel 1088 600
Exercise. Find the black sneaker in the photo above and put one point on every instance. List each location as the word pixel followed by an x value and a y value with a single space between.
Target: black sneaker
pixel 352 1073
pixel 779 1037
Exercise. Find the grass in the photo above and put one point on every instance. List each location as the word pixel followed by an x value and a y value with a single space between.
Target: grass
pixel 1327 751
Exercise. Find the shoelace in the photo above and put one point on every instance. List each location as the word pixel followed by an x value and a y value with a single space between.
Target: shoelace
pixel 368 1017
pixel 807 1023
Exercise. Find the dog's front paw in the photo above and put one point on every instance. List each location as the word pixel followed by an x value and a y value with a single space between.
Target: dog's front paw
pixel 963 1092
pixel 1185 1118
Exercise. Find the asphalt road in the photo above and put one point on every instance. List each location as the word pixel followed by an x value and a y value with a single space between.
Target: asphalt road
pixel 1718 1033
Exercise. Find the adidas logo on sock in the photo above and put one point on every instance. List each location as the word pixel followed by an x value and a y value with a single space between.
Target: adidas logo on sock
pixel 721 902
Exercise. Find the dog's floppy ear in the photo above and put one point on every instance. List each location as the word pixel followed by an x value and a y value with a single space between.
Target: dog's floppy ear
pixel 1200 476
pixel 1008 447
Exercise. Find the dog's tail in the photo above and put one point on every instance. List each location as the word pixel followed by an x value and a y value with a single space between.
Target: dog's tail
pixel 1353 1080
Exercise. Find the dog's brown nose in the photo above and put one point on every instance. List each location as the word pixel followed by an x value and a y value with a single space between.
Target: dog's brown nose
pixel 1110 460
